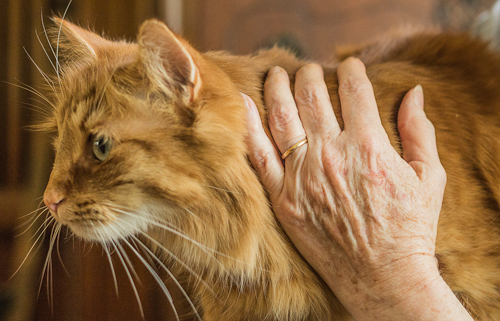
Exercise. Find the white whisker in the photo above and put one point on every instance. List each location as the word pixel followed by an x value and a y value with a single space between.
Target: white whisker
pixel 98 105
pixel 129 263
pixel 156 277
pixel 36 109
pixel 161 247
pixel 32 247
pixel 173 277
pixel 44 50
pixel 108 254
pixel 58 65
pixel 47 36
pixel 47 268
pixel 221 189
pixel 134 288
pixel 44 75
pixel 59 252
pixel 32 90
pixel 184 265
pixel 174 230
pixel 32 220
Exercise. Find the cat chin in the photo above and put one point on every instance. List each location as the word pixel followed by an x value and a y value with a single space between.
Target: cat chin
pixel 106 232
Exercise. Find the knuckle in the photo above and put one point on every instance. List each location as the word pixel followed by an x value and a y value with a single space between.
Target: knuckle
pixel 441 174
pixel 310 92
pixel 429 127
pixel 425 123
pixel 280 115
pixel 354 87
pixel 333 163
pixel 261 160
pixel 370 144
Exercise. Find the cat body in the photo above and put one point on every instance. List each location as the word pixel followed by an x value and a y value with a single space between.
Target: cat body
pixel 151 142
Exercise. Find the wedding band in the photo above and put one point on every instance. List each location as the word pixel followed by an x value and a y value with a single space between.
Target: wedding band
pixel 294 147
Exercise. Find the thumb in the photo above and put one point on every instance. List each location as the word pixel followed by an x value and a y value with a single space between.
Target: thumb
pixel 261 152
pixel 417 133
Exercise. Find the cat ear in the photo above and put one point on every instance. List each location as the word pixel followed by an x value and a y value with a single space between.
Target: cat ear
pixel 165 53
pixel 70 37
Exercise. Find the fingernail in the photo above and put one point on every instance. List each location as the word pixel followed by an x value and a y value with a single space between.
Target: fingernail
pixel 274 71
pixel 418 96
pixel 250 105
pixel 245 100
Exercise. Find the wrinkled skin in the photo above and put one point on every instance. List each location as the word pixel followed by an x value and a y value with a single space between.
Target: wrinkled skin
pixel 363 216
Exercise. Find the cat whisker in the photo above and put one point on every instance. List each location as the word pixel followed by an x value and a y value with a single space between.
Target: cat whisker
pixel 32 90
pixel 184 265
pixel 206 249
pixel 108 254
pixel 161 247
pixel 129 263
pixel 190 270
pixel 51 49
pixel 171 229
pixel 98 105
pixel 59 252
pixel 195 216
pixel 156 277
pixel 44 50
pixel 38 208
pixel 58 65
pixel 175 230
pixel 134 288
pixel 171 276
pixel 36 109
pixel 44 75
pixel 115 281
pixel 47 37
pixel 221 189
pixel 47 268
pixel 33 246
pixel 32 220
pixel 44 104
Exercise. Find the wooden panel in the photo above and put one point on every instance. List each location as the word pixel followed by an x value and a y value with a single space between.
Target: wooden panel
pixel 240 26
pixel 246 25
pixel 88 292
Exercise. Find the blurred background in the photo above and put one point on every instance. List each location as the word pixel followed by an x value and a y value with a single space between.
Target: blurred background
pixel 312 28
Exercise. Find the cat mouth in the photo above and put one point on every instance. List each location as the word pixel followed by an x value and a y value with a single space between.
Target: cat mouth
pixel 103 230
pixel 92 229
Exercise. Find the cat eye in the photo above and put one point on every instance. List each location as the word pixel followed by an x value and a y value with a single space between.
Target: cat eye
pixel 101 147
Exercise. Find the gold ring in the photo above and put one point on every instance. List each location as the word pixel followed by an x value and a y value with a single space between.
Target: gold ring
pixel 294 147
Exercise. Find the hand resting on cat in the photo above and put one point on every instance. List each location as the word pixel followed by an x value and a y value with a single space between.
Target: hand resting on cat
pixel 149 141
pixel 362 216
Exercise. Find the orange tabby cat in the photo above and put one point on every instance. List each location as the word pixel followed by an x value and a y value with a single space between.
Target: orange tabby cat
pixel 151 144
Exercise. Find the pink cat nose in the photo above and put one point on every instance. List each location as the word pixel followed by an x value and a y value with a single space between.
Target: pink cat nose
pixel 53 200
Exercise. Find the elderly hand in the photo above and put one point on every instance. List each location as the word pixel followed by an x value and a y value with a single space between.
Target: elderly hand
pixel 362 216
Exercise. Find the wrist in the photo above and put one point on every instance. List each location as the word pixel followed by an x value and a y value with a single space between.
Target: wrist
pixel 413 292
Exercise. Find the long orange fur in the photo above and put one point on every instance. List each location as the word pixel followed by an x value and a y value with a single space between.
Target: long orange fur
pixel 177 123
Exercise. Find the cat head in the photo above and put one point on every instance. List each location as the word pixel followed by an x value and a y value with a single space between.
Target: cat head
pixel 143 131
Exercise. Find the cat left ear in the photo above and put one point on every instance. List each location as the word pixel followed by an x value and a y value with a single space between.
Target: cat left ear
pixel 169 55
pixel 70 37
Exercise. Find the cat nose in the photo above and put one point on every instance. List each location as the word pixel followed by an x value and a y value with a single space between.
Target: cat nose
pixel 53 200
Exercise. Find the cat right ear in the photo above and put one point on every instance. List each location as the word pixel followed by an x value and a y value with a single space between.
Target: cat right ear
pixel 168 58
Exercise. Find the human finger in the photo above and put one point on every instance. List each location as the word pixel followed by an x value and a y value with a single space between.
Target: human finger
pixel 359 108
pixel 261 151
pixel 284 122
pixel 418 138
pixel 314 105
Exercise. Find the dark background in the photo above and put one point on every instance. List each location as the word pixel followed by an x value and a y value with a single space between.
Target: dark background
pixel 314 27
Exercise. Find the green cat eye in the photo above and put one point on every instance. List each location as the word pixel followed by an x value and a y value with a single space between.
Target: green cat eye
pixel 101 147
